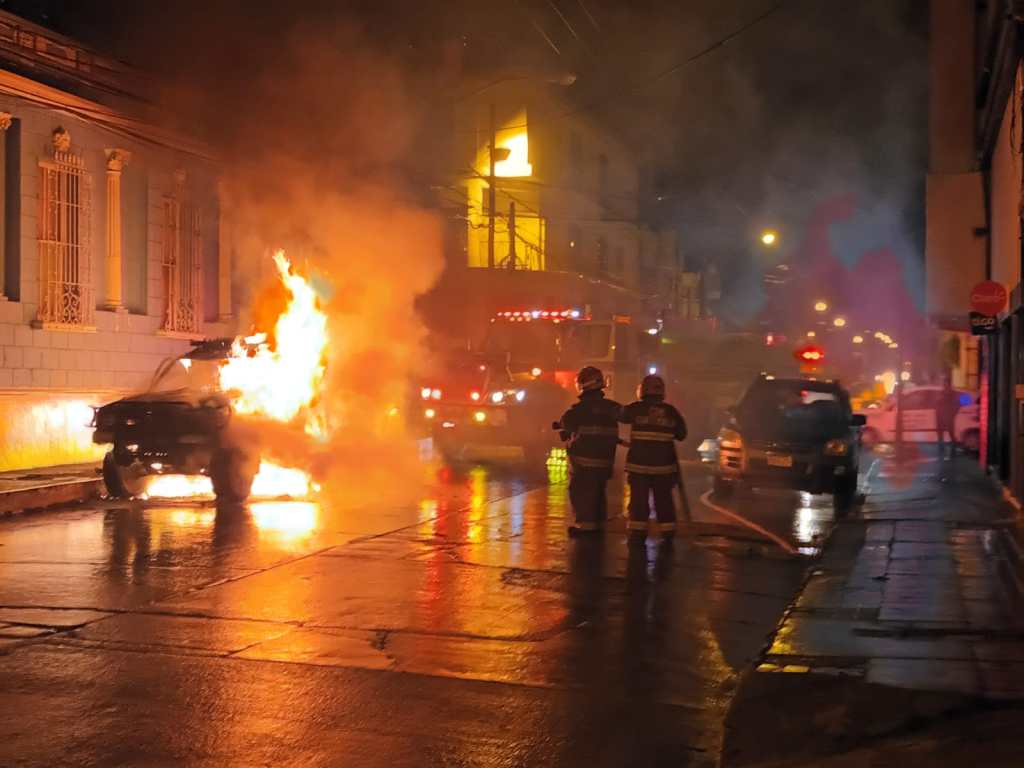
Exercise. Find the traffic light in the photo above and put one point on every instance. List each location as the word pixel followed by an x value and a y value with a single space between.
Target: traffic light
pixel 810 354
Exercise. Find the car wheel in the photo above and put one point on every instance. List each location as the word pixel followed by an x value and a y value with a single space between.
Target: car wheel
pixel 869 438
pixel 121 484
pixel 232 473
pixel 116 487
pixel 845 495
pixel 722 488
pixel 971 441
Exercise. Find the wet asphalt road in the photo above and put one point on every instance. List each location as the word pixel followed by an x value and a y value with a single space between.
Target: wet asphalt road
pixel 465 629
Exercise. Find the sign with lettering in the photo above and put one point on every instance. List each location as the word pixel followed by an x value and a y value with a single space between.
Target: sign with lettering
pixel 988 298
pixel 982 325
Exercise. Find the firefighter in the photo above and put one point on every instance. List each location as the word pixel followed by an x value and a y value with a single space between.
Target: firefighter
pixel 651 463
pixel 591 429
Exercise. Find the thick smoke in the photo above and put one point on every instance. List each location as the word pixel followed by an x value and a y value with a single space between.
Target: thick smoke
pixel 317 131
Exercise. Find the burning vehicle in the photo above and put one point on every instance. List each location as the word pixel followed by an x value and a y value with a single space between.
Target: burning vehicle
pixel 202 411
pixel 183 424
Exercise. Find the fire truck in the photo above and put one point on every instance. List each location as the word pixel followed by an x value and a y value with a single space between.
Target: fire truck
pixel 522 376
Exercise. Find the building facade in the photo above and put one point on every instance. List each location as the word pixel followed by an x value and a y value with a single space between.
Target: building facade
pixel 567 223
pixel 109 228
pixel 974 208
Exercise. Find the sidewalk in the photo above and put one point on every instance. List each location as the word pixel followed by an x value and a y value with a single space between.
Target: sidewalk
pixel 912 613
pixel 48 486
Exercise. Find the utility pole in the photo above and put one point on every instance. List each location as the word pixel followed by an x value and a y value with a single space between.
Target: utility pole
pixel 512 234
pixel 490 190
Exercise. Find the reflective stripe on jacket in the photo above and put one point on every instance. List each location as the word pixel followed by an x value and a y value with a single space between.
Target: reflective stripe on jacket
pixel 592 428
pixel 654 427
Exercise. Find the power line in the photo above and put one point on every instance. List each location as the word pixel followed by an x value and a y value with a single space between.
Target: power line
pixel 720 43
pixel 565 21
pixel 539 29
pixel 617 96
pixel 589 15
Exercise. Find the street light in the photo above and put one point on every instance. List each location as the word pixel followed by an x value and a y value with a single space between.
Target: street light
pixel 858 339
pixel 811 334
pixel 769 237
pixel 821 306
pixel 839 322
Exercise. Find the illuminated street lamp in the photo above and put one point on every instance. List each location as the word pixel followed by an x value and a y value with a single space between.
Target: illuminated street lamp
pixel 811 334
pixel 769 237
pixel 858 339
pixel 821 306
pixel 839 322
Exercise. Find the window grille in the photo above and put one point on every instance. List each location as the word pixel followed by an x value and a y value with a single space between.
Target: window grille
pixel 182 265
pixel 66 281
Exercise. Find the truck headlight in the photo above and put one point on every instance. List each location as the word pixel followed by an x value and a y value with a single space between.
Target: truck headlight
pixel 836 448
pixel 730 439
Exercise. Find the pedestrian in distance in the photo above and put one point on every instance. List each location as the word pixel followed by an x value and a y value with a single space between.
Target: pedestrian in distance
pixel 947 406
pixel 652 466
pixel 591 429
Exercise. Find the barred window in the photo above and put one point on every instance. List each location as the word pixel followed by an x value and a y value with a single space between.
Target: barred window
pixel 182 265
pixel 66 285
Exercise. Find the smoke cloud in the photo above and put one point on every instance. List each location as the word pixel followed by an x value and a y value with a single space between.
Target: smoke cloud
pixel 317 129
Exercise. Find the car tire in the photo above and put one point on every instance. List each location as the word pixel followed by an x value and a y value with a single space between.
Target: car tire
pixel 970 441
pixel 113 478
pixel 232 473
pixel 121 481
pixel 869 438
pixel 844 495
pixel 722 488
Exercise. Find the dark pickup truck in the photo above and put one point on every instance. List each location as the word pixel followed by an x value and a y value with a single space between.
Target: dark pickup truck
pixel 182 424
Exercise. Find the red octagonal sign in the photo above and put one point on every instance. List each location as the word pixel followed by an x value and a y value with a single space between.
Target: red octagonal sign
pixel 988 298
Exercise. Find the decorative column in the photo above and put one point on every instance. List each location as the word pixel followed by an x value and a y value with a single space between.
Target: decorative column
pixel 116 160
pixel 6 119
pixel 225 246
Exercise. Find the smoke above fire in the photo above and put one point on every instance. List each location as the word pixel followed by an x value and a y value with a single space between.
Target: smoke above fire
pixel 316 129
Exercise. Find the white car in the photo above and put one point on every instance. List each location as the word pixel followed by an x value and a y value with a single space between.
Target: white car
pixel 919 425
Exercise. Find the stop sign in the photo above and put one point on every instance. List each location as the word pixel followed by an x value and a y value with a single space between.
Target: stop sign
pixel 988 298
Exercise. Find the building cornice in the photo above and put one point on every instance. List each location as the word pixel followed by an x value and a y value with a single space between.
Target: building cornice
pixel 93 112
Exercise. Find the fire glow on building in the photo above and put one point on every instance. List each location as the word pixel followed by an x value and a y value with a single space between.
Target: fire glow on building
pixel 276 378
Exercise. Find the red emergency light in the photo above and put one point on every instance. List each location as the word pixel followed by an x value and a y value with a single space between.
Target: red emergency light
pixel 809 354
pixel 526 315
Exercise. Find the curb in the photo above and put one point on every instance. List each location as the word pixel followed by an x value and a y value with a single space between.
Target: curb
pixel 50 495
pixel 784 719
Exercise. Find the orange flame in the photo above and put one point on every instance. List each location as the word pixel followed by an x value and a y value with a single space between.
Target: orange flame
pixel 278 382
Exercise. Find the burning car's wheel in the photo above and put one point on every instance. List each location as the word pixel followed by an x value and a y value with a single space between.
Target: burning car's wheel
pixel 121 484
pixel 232 473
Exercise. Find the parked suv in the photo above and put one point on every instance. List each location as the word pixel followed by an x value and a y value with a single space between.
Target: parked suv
pixel 182 424
pixel 791 433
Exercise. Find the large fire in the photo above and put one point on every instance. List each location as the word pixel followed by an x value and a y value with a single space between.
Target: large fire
pixel 282 382
pixel 277 381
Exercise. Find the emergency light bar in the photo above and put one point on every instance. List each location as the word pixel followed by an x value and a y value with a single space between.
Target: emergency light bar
pixel 540 314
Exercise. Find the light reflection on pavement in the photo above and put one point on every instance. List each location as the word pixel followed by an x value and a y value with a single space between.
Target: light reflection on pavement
pixel 286 612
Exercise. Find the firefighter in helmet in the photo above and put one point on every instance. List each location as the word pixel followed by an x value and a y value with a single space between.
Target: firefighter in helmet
pixel 591 428
pixel 651 463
